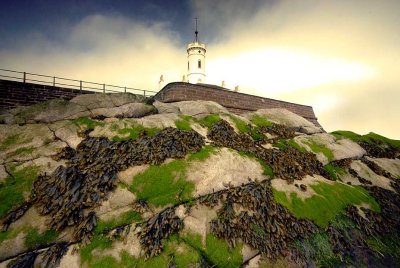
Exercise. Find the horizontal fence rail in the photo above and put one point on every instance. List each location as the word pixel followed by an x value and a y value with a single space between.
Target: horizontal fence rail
pixel 55 81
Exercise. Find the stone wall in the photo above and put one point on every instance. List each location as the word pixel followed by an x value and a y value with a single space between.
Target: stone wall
pixel 14 93
pixel 235 102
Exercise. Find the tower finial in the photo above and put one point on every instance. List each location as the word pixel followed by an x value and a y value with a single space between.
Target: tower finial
pixel 196 32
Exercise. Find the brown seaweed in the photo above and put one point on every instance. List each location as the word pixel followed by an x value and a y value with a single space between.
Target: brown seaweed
pixel 264 224
pixel 16 212
pixel 52 256
pixel 288 164
pixel 158 228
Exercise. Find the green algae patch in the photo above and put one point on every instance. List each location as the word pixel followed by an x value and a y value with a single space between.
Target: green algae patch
pixel 34 238
pixel 370 138
pixel 386 244
pixel 165 184
pixel 209 120
pixel 203 154
pixel 328 202
pixel 88 122
pixel 133 132
pixel 215 252
pixel 267 169
pixel 260 121
pixel 12 190
pixel 317 247
pixel 243 127
pixel 13 139
pixel 21 151
pixel 98 242
pixel 10 140
pixel 183 125
pixel 334 171
pixel 175 253
pixel 282 144
pixel 126 218
pixel 319 148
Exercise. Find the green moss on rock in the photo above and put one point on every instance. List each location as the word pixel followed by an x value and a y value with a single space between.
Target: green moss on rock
pixel 329 201
pixel 125 218
pixel 88 122
pixel 260 121
pixel 34 238
pixel 13 189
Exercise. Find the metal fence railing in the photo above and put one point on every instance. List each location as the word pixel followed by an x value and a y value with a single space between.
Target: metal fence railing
pixel 26 77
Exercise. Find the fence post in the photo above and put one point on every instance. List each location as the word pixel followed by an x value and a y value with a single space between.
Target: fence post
pixel 24 77
pixel 104 88
pixel 144 93
pixel 54 81
pixel 125 90
pixel 80 86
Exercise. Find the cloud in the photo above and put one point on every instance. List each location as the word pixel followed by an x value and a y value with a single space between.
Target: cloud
pixel 338 56
pixel 105 49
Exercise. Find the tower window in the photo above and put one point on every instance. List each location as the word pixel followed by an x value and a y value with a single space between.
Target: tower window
pixel 199 64
pixel 188 66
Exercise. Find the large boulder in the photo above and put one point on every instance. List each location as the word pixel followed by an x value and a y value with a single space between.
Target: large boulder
pixel 129 110
pixel 223 168
pixel 45 112
pixel 286 118
pixel 191 108
pixel 108 100
pixel 328 148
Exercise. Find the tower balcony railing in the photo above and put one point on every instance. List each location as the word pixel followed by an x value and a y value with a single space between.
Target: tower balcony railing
pixel 68 83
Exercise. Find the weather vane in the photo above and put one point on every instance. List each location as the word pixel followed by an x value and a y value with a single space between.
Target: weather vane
pixel 196 32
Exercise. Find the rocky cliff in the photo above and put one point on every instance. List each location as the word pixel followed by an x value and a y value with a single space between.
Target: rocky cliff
pixel 117 180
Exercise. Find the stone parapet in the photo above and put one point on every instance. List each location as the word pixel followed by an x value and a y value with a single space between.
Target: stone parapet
pixel 235 102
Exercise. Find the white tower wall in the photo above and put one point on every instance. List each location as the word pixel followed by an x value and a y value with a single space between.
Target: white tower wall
pixel 196 62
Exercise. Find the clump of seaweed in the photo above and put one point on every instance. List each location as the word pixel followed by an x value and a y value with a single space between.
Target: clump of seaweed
pixel 16 212
pixel 343 163
pixel 288 164
pixel 158 228
pixel 279 131
pixel 26 260
pixel 377 169
pixel 70 193
pixel 360 179
pixel 52 256
pixel 376 148
pixel 261 223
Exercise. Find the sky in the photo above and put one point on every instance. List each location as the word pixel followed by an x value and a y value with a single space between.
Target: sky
pixel 342 57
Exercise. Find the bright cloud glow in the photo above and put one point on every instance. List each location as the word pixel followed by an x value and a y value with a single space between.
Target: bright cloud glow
pixel 283 70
